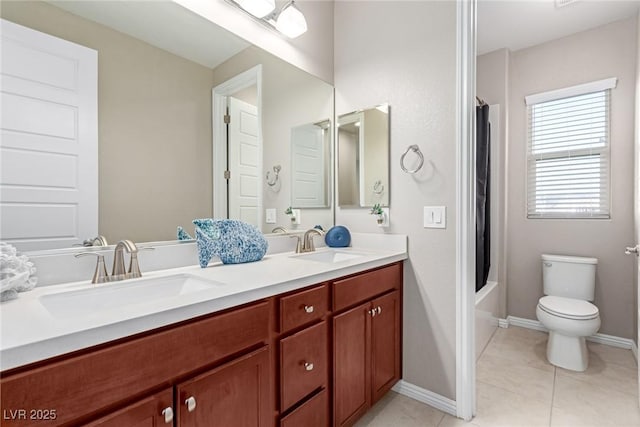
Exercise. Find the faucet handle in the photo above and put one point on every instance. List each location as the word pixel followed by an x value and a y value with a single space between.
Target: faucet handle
pixel 100 275
pixel 134 266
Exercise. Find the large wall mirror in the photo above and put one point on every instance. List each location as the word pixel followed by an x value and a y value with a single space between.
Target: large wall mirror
pixel 363 158
pixel 158 64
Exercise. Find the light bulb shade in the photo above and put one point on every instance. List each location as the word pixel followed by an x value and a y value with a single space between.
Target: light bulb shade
pixel 291 21
pixel 258 8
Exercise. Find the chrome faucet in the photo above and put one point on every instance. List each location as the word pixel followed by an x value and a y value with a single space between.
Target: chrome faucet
pixel 307 240
pixel 118 272
pixel 279 229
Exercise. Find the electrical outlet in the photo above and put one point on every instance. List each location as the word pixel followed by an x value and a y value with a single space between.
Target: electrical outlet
pixel 296 215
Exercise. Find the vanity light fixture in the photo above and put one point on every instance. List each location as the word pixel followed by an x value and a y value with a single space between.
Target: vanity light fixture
pixel 258 8
pixel 289 20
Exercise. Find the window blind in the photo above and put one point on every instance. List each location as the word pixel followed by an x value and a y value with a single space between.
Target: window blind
pixel 568 157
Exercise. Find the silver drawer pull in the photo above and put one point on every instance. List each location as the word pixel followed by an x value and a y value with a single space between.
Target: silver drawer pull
pixel 308 366
pixel 308 308
pixel 379 309
pixel 168 414
pixel 191 404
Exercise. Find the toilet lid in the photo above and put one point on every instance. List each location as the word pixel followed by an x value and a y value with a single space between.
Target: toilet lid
pixel 568 307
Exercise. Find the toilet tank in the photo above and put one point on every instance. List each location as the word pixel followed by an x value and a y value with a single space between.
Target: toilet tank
pixel 569 276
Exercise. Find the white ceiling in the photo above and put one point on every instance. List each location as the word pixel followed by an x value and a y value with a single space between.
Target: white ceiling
pixel 163 24
pixel 516 24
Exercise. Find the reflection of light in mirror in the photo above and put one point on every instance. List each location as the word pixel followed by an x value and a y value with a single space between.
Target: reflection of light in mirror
pixel 357 124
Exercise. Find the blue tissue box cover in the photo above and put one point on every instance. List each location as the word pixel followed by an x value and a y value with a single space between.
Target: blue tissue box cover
pixel 338 237
pixel 233 241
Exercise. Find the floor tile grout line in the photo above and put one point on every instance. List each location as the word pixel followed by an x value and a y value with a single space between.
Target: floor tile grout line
pixel 553 395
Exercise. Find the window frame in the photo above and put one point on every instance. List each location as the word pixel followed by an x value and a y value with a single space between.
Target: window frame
pixel 532 208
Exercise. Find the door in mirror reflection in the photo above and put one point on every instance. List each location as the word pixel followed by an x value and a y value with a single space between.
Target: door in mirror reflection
pixel 363 158
pixel 310 154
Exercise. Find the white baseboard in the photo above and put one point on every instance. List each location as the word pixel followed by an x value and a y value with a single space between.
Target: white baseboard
pixel 425 396
pixel 605 339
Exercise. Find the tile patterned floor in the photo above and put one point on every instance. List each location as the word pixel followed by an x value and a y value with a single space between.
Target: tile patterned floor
pixel 516 386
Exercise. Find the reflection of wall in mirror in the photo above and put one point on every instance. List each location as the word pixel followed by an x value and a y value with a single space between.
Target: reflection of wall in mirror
pixel 154 114
pixel 375 158
pixel 348 170
pixel 290 98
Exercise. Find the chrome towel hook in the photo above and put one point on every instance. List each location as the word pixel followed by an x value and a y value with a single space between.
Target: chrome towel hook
pixel 416 150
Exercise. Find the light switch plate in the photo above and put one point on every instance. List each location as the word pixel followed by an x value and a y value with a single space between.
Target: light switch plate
pixel 270 216
pixel 435 217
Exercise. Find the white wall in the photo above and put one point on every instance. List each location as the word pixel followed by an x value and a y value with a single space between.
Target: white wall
pixel 312 51
pixel 607 51
pixel 404 53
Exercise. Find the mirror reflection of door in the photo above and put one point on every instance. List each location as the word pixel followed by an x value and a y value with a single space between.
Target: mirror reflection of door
pixel 349 160
pixel 242 162
pixel 243 157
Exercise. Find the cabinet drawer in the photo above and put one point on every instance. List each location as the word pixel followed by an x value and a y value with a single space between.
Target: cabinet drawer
pixel 352 290
pixel 85 384
pixel 303 364
pixel 145 412
pixel 314 413
pixel 303 307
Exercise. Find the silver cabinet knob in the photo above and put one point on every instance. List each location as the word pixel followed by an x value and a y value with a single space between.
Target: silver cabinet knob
pixel 308 366
pixel 308 308
pixel 379 309
pixel 372 312
pixel 168 415
pixel 191 404
pixel 632 250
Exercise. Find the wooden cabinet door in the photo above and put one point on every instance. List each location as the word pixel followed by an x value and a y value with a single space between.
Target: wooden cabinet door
pixel 351 364
pixel 235 394
pixel 147 412
pixel 385 344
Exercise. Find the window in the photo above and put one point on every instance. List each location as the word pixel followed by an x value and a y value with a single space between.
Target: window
pixel 568 152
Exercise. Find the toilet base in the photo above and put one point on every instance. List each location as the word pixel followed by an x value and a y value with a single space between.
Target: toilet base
pixel 567 352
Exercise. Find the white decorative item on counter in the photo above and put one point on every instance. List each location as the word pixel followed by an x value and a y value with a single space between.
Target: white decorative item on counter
pixel 17 273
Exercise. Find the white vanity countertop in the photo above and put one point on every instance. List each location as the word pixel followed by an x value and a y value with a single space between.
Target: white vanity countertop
pixel 30 332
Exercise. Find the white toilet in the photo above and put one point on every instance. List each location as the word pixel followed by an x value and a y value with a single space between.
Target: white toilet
pixel 565 310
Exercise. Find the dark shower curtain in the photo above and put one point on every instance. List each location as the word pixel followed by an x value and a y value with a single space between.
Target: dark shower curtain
pixel 483 166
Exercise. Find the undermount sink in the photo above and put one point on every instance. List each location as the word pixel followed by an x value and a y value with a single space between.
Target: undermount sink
pixel 116 295
pixel 329 257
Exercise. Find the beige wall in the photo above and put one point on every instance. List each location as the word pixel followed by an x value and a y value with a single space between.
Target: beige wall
pixel 492 85
pixel 608 51
pixel 154 135
pixel 290 97
pixel 404 53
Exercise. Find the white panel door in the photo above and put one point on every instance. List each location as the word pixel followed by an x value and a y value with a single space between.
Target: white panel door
pixel 244 155
pixel 49 140
pixel 308 165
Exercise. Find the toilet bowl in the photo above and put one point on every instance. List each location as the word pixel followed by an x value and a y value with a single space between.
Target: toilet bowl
pixel 569 322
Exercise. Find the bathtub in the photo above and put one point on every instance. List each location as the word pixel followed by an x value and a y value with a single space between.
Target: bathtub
pixel 487 309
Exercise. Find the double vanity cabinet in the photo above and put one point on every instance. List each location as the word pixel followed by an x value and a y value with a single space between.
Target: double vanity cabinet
pixel 316 356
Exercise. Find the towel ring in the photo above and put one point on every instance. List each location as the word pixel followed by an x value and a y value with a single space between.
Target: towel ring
pixel 378 187
pixel 416 150
pixel 273 181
